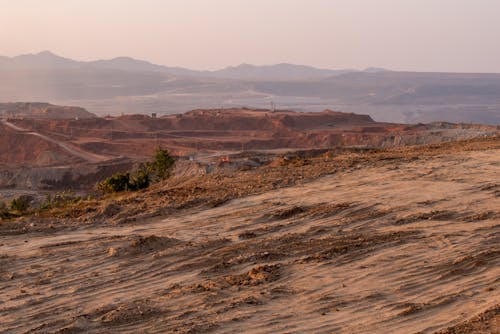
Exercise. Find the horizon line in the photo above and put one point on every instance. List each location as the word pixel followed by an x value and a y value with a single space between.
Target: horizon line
pixel 364 69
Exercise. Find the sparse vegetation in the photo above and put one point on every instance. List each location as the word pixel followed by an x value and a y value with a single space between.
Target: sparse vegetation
pixel 153 171
pixel 26 205
pixel 161 165
pixel 139 179
pixel 4 211
pixel 116 183
pixel 59 200
pixel 20 204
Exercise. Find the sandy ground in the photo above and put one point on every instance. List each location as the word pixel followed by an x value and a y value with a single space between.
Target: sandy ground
pixel 398 247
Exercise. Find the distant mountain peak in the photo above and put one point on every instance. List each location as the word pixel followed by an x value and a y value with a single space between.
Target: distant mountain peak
pixel 375 70
pixel 41 60
pixel 275 72
pixel 126 58
pixel 41 55
pixel 244 71
pixel 47 53
pixel 241 66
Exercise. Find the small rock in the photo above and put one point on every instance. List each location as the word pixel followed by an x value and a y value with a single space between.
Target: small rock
pixel 112 251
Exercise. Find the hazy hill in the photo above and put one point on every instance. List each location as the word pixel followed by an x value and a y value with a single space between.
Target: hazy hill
pixel 43 110
pixel 275 72
pixel 43 60
pixel 49 61
pixel 127 85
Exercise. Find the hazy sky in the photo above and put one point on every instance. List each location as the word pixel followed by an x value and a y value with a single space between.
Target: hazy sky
pixel 425 35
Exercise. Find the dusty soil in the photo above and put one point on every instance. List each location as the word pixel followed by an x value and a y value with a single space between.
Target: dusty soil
pixel 241 129
pixel 398 241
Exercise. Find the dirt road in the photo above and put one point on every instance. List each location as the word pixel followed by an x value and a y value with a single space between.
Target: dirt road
pixel 77 152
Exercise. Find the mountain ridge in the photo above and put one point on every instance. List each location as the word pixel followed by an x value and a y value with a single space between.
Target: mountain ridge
pixel 284 71
pixel 126 85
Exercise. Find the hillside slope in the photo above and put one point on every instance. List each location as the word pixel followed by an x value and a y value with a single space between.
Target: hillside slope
pixel 22 148
pixel 399 241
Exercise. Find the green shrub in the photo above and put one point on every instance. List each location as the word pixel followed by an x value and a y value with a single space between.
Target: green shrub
pixel 4 211
pixel 161 165
pixel 139 179
pixel 116 183
pixel 60 199
pixel 20 204
pixel 154 171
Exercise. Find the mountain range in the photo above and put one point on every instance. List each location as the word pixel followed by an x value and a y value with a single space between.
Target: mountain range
pixel 47 60
pixel 127 85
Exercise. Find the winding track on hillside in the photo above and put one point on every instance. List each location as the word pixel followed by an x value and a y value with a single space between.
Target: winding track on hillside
pixel 87 156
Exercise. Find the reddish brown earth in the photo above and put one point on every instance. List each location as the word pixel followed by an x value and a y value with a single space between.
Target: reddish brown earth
pixel 240 129
pixel 23 148
pixel 78 146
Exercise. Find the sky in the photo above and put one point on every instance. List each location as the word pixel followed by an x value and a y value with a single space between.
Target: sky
pixel 419 35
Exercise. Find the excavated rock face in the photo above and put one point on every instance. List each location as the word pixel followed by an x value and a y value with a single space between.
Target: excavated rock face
pixel 68 138
pixel 19 148
pixel 247 119
pixel 243 129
